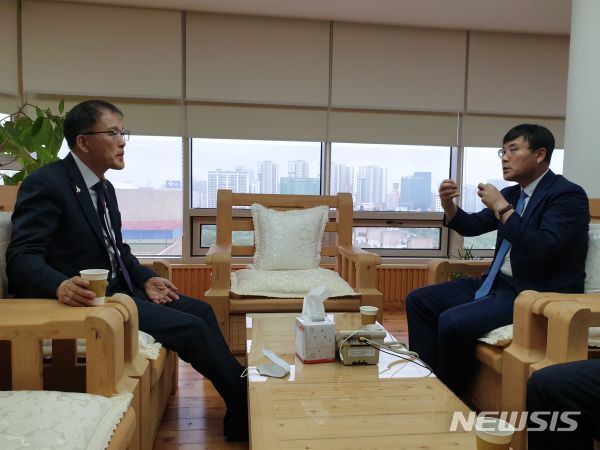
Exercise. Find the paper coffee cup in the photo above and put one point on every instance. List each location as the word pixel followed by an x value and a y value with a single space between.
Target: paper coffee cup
pixel 98 283
pixel 493 434
pixel 368 314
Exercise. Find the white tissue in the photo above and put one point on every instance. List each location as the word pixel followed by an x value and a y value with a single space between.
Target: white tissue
pixel 313 308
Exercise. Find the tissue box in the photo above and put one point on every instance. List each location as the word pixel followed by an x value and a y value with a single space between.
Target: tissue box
pixel 315 341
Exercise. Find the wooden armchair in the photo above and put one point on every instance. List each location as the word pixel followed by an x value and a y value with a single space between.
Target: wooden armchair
pixel 23 325
pixel 66 370
pixel 356 266
pixel 500 379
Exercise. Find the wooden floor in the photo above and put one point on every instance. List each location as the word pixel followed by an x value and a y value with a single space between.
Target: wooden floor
pixel 194 417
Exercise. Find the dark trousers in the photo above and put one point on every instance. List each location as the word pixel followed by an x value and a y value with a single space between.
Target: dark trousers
pixel 189 327
pixel 444 322
pixel 573 386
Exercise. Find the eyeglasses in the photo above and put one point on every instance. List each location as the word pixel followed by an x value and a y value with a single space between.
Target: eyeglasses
pixel 510 150
pixel 123 134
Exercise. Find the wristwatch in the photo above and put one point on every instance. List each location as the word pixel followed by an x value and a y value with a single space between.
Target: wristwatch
pixel 504 210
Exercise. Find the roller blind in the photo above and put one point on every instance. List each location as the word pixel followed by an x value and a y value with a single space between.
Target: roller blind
pixel 8 103
pixel 257 60
pixel 110 51
pixel 517 74
pixel 9 83
pixel 488 131
pixel 376 66
pixel 393 128
pixel 255 122
pixel 142 117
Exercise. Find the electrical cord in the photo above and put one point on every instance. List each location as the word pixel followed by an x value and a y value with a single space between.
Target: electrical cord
pixel 406 355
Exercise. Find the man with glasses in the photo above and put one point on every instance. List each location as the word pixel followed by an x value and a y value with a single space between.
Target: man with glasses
pixel 67 219
pixel 542 240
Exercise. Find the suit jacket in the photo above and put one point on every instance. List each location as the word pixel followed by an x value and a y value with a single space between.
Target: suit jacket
pixel 550 241
pixel 57 232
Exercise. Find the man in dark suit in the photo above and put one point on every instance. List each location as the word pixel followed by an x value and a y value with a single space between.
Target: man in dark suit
pixel 66 219
pixel 542 240
pixel 573 388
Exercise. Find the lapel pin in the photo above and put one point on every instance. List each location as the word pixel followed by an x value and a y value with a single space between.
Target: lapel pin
pixel 77 190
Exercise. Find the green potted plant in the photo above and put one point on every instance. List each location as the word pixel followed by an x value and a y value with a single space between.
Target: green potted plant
pixel 29 139
pixel 32 140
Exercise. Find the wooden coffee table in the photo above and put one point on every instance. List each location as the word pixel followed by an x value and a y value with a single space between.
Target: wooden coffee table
pixel 394 405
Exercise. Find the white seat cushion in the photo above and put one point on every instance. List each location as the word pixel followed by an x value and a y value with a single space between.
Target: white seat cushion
pixel 502 337
pixel 288 283
pixel 59 420
pixel 149 348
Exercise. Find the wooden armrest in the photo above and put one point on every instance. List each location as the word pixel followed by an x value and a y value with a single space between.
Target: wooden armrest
pixel 219 257
pixel 357 254
pixel 135 363
pixel 439 270
pixel 163 268
pixel 218 254
pixel 26 322
pixel 359 268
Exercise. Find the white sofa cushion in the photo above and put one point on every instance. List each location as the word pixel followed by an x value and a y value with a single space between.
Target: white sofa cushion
pixel 288 283
pixel 59 420
pixel 592 262
pixel 288 240
pixel 502 337
pixel 149 348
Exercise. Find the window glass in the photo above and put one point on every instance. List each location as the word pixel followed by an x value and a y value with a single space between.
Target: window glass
pixel 266 167
pixel 208 236
pixel 389 177
pixel 415 238
pixel 149 191
pixel 482 165
pixel 5 160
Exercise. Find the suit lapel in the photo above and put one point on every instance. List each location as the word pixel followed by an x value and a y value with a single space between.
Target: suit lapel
pixel 83 197
pixel 538 194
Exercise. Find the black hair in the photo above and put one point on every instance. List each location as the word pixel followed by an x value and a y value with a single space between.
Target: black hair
pixel 83 116
pixel 537 136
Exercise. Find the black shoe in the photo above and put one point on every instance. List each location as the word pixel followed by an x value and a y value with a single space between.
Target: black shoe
pixel 235 425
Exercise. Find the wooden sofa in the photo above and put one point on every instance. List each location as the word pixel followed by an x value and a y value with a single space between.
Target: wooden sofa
pixel 23 325
pixel 354 265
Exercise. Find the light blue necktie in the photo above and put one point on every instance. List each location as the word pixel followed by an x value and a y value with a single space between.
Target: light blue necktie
pixel 504 248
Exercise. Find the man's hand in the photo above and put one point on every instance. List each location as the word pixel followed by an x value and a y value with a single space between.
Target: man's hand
pixel 491 196
pixel 75 292
pixel 160 290
pixel 448 192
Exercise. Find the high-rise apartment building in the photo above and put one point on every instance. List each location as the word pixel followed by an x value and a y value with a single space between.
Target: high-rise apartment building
pixel 370 186
pixel 236 180
pixel 268 177
pixel 415 192
pixel 298 169
pixel 342 178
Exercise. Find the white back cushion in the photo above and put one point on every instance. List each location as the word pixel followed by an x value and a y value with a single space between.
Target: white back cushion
pixel 592 262
pixel 288 240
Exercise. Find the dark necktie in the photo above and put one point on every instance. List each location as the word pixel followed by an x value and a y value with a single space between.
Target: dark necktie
pixel 504 248
pixel 100 189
